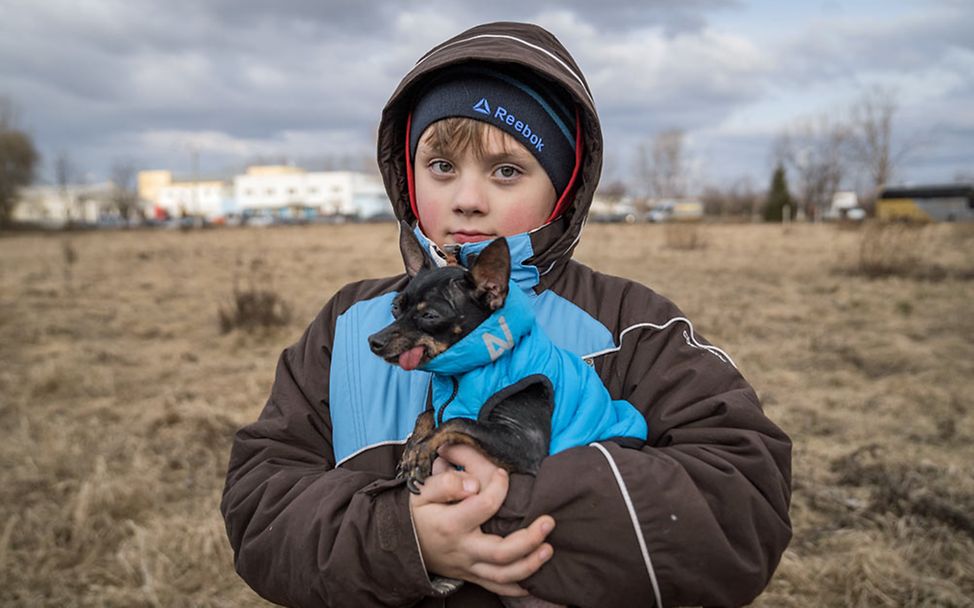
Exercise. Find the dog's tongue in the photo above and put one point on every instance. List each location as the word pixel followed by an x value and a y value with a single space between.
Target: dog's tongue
pixel 410 359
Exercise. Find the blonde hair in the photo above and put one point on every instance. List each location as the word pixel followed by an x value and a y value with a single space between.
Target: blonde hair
pixel 458 135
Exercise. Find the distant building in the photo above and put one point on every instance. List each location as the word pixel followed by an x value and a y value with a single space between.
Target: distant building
pixel 845 206
pixel 209 198
pixel 292 192
pixel 933 203
pixel 266 190
pixel 54 207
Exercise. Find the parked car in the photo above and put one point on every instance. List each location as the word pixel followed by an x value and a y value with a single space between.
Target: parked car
pixel 676 211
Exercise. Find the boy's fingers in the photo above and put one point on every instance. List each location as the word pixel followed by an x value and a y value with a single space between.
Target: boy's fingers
pixel 460 454
pixel 441 466
pixel 477 509
pixel 499 551
pixel 472 460
pixel 516 571
pixel 449 486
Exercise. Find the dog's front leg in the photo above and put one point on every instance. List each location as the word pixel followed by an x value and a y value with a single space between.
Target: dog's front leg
pixel 413 453
pixel 417 460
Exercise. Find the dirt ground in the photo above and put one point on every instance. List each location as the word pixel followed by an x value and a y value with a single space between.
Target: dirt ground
pixel 119 395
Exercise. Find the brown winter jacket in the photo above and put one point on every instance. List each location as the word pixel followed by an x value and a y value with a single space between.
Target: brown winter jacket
pixel 697 516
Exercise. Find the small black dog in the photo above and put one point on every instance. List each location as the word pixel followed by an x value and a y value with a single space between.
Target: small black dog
pixel 438 308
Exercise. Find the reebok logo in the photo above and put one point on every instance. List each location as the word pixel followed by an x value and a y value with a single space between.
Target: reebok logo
pixel 482 106
pixel 521 127
pixel 497 346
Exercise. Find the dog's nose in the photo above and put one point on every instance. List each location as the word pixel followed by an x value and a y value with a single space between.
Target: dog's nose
pixel 377 342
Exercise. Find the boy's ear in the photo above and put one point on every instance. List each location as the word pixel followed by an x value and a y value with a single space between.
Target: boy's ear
pixel 412 251
pixel 491 272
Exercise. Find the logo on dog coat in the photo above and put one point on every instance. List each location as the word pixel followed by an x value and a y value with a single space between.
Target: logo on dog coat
pixel 497 346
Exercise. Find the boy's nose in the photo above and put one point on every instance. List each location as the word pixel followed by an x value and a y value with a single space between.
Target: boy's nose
pixel 470 198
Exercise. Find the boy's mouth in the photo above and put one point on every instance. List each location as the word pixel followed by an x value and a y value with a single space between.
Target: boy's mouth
pixel 469 236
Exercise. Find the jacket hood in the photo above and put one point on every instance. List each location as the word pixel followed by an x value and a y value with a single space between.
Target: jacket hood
pixel 521 44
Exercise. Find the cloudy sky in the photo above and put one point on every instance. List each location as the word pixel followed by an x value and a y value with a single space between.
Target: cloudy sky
pixel 108 81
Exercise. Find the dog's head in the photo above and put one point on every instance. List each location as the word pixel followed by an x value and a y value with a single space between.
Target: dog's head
pixel 439 306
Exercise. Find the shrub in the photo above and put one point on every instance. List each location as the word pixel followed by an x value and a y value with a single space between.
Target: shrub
pixel 684 237
pixel 253 309
pixel 890 250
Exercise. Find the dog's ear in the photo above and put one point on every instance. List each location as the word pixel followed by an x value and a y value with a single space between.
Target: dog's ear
pixel 412 251
pixel 491 272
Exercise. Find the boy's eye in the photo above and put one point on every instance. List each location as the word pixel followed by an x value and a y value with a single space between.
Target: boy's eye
pixel 441 167
pixel 507 172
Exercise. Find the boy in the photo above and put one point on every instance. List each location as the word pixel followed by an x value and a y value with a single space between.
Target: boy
pixel 494 133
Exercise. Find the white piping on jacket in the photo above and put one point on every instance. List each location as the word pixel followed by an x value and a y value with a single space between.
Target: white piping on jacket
pixel 552 265
pixel 635 521
pixel 369 447
pixel 516 39
pixel 689 337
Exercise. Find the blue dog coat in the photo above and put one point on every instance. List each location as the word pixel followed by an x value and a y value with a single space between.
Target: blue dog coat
pixel 509 347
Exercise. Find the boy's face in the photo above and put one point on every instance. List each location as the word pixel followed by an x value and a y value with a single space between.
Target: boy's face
pixel 464 197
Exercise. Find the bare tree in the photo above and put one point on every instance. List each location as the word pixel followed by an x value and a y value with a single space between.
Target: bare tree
pixel 739 200
pixel 815 151
pixel 124 196
pixel 18 159
pixel 8 113
pixel 614 190
pixel 662 167
pixel 871 119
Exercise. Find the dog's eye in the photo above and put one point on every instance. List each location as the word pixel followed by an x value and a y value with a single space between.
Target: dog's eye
pixel 431 316
pixel 396 309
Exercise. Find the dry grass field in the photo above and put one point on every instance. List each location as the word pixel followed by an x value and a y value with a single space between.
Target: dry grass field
pixel 119 395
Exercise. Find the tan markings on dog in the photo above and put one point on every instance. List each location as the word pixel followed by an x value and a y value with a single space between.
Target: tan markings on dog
pixel 433 347
pixel 421 306
pixel 457 330
pixel 425 424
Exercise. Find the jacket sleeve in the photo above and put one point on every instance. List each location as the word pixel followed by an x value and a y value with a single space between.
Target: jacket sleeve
pixel 698 516
pixel 303 532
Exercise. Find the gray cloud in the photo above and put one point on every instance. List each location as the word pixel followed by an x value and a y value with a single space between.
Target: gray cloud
pixel 307 79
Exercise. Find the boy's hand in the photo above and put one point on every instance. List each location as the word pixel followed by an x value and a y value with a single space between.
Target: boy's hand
pixel 448 514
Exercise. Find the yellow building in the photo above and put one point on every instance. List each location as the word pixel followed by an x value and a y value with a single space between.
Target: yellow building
pixel 274 170
pixel 151 182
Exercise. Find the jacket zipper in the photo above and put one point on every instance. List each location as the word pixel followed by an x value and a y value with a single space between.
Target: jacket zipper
pixel 456 388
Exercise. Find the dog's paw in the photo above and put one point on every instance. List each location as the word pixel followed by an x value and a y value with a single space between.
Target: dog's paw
pixel 416 465
pixel 413 485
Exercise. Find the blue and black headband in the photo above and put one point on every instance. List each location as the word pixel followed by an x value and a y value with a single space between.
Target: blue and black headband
pixel 536 114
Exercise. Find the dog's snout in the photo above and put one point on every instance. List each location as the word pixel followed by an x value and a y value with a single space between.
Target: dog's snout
pixel 378 341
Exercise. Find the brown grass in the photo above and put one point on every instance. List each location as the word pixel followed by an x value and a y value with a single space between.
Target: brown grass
pixel 683 237
pixel 119 397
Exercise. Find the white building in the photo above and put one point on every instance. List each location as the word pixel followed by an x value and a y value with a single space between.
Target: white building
pixel 54 207
pixel 209 199
pixel 845 205
pixel 294 192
